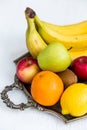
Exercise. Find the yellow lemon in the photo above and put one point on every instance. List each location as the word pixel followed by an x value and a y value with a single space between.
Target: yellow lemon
pixel 74 100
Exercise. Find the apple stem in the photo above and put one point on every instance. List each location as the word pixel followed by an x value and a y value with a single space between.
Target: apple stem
pixel 70 48
pixel 30 12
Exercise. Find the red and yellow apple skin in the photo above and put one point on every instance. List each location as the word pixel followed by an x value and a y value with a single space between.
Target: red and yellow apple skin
pixel 79 66
pixel 26 69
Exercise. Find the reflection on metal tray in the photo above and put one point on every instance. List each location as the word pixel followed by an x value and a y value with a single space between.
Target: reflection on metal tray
pixel 55 109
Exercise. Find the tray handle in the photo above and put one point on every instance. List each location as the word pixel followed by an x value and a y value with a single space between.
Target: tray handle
pixel 21 106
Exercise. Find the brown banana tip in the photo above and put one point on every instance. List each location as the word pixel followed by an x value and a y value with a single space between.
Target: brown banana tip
pixel 30 12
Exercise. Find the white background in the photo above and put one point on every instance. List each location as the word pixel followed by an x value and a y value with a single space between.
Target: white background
pixel 12 45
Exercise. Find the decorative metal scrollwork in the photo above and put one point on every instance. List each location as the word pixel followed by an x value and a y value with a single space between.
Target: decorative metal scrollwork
pixel 18 84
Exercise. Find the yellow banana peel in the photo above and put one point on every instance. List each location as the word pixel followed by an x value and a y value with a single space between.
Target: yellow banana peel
pixel 70 30
pixel 34 42
pixel 74 37
pixel 77 53
pixel 49 35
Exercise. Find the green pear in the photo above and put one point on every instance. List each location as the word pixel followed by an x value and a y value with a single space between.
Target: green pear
pixel 55 57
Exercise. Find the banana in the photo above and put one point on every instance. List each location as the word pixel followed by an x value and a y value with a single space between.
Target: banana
pixel 72 29
pixel 34 42
pixel 77 53
pixel 76 44
pixel 49 36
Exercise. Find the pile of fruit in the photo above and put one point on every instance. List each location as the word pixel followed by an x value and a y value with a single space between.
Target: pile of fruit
pixel 58 62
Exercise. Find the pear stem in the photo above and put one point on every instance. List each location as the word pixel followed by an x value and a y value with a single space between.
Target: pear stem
pixel 30 12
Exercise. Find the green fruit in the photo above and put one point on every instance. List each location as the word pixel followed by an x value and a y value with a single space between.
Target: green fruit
pixel 55 57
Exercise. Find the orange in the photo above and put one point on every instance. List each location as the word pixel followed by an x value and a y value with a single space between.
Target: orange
pixel 46 88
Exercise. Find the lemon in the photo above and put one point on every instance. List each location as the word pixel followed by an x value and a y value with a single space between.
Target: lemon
pixel 74 100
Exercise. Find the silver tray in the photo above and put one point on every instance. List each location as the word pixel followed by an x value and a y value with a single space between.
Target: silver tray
pixel 55 109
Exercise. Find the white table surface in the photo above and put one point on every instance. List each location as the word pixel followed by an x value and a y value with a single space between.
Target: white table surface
pixel 12 45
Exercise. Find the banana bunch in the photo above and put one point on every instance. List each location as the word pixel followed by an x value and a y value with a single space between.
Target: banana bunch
pixel 39 34
pixel 73 29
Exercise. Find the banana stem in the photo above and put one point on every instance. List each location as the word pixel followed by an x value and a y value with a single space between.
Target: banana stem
pixel 38 21
pixel 30 14
pixel 31 24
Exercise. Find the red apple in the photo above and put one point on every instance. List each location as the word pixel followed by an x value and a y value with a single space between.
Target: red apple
pixel 79 66
pixel 26 69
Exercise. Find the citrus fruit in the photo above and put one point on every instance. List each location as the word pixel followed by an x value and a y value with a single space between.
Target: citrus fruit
pixel 74 100
pixel 46 88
